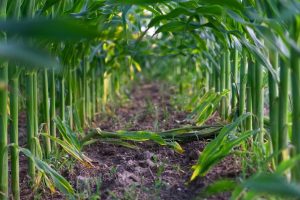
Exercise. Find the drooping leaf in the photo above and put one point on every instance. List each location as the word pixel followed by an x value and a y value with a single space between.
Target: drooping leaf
pixel 60 182
pixel 72 151
pixel 175 26
pixel 221 147
pixel 26 56
pixel 263 59
pixel 173 14
pixel 123 136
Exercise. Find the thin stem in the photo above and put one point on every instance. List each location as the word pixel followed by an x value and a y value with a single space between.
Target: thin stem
pixel 223 86
pixel 52 109
pixel 234 71
pixel 243 83
pixel 30 124
pixel 62 100
pixel 3 131
pixel 273 103
pixel 46 113
pixel 249 100
pixel 14 110
pixel 295 77
pixel 260 101
pixel 283 107
pixel 227 82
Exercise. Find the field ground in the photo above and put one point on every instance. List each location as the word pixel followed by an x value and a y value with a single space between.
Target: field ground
pixel 153 171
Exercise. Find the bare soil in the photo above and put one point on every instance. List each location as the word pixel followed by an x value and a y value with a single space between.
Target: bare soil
pixel 153 171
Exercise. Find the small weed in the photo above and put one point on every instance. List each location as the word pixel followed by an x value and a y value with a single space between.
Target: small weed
pixel 156 119
pixel 166 113
pixel 159 182
pixel 112 195
pixel 131 192
pixel 62 162
pixel 177 168
pixel 113 171
pixel 89 187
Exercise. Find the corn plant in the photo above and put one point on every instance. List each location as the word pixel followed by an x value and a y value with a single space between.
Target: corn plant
pixel 85 51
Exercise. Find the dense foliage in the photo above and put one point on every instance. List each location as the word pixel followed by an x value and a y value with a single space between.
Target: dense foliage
pixel 63 60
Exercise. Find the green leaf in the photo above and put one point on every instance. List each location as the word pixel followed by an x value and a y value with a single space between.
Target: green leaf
pixel 220 147
pixel 287 164
pixel 173 14
pixel 49 3
pixel 225 185
pixel 261 58
pixel 121 135
pixel 67 134
pixel 26 56
pixel 175 26
pixel 63 29
pixel 272 40
pixel 60 182
pixel 213 10
pixel 272 184
pixel 72 151
pixel 232 4
pixel 178 26
pixel 176 146
pixel 206 106
pixel 141 136
pixel 138 2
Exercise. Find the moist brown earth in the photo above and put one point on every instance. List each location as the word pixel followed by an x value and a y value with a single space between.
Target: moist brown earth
pixel 153 171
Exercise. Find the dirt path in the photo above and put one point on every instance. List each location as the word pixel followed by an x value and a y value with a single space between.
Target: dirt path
pixel 152 172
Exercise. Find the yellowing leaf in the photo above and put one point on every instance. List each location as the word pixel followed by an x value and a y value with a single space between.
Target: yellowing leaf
pixel 131 72
pixel 137 66
pixel 49 184
pixel 176 146
pixel 195 173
